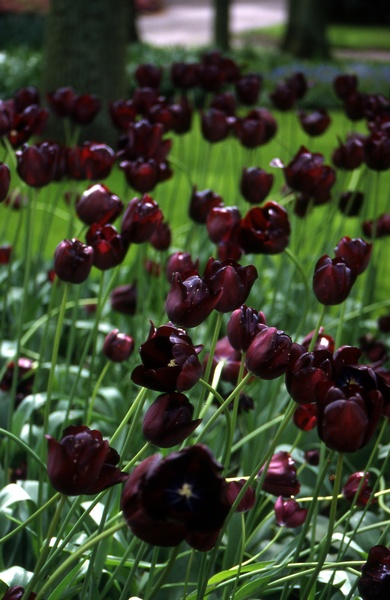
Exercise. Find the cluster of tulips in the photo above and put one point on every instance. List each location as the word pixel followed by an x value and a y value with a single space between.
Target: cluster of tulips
pixel 342 391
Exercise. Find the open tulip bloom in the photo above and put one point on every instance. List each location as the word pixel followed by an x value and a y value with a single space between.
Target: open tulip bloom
pixel 194 328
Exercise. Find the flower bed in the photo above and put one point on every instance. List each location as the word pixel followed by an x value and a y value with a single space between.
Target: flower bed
pixel 195 384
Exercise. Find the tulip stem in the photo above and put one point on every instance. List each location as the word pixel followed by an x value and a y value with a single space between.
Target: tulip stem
pixel 139 400
pixel 96 388
pixel 160 582
pixel 209 364
pixel 29 519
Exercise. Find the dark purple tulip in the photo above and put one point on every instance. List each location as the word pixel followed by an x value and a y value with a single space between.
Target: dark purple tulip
pixel 90 161
pixel 264 230
pixel 123 299
pixel 216 125
pixel 284 96
pixel 344 85
pixel 108 246
pixel 5 180
pixel 144 98
pixel 384 323
pixel 180 497
pixel 140 174
pixel 7 113
pixel 251 130
pixel 377 228
pixel 356 481
pixel 307 174
pixel 31 121
pixel 355 106
pixel 168 421
pixel 373 349
pixel 17 593
pixel 169 361
pixel 73 261
pixel 117 346
pixel 181 116
pixel 145 140
pixel 374 583
pixel 225 102
pixel 61 101
pixel 248 89
pixel 190 301
pixel 243 326
pixel 82 462
pixel 332 280
pixel 36 165
pixel 85 109
pixel 148 75
pixel 221 221
pixel 350 203
pixel 5 254
pixel 140 220
pixel 25 377
pixel 201 204
pixel 314 123
pixel 182 263
pixel 161 113
pixel 288 513
pixel 122 113
pixel 323 341
pixel 305 417
pixel 377 151
pixel 255 184
pixel 350 155
pixel 184 75
pixel 312 457
pixel 305 371
pixel 299 84
pixel 269 353
pixel 234 280
pixel 98 205
pixel 356 254
pixel 281 478
pixel 247 501
pixel 161 237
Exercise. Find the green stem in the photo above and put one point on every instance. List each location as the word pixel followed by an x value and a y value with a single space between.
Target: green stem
pixel 96 388
pixel 29 519
pixel 163 577
pixel 139 400
pixel 209 364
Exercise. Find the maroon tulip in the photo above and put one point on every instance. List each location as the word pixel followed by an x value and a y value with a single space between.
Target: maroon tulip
pixel 255 184
pixel 288 513
pixel 61 101
pixel 226 103
pixel 268 355
pixel 248 88
pixel 345 85
pixel 305 371
pixel 161 113
pixel 299 84
pixel 180 497
pixel 355 106
pixel 201 204
pixel 215 125
pixel 374 583
pixel 284 96
pixel 384 323
pixel 82 462
pixel 231 359
pixel 73 261
pixel 17 593
pixel 181 116
pixel 358 482
pixel 375 350
pixel 31 121
pixel 161 237
pixel 168 420
pixel 322 342
pixel 85 109
pixel 148 75
pixel 350 203
pixel 281 478
pixel 108 246
pixel 25 97
pixel 264 230
pixel 190 301
pixel 182 263
pixel 5 254
pixel 247 501
pixel 377 228
pixel 221 222
pixel 37 165
pixel 234 280
pixel 90 161
pixel 350 155
pixel 98 205
pixel 251 130
pixel 122 113
pixel 169 361
pixel 118 346
pixel 123 299
pixel 315 123
pixel 140 220
pixel 5 179
pixel 25 378
pixel 305 417
pixel 355 253
pixel 141 175
pixel 377 151
pixel 307 174
pixel 184 75
pixel 312 457
pixel 332 280
pixel 243 326
pixel 145 140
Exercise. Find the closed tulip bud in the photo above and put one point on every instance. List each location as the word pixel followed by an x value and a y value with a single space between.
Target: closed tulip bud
pixel 61 101
pixel 85 109
pixel 182 263
pixel 140 220
pixel 344 85
pixel 281 478
pixel 148 75
pixel 118 346
pixel 358 482
pixel 247 501
pixel 141 175
pixel 216 125
pixel 108 246
pixel 16 592
pixel 5 254
pixel 82 462
pixel 377 151
pixel 332 280
pixel 315 123
pixel 255 185
pixel 288 513
pixel 5 179
pixel 184 75
pixel 221 221
pixel 350 155
pixel 122 113
pixel 161 237
pixel 73 261
pixel 305 417
pixel 234 280
pixel 123 299
pixel 284 96
pixel 168 421
pixel 190 301
pixel 243 326
pixel 356 253
pixel 374 583
pixel 201 204
pixel 269 353
pixel 248 89
pixel 98 205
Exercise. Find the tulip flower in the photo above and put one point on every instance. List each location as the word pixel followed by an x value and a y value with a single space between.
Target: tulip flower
pixel 37 165
pixel 374 583
pixel 281 478
pixel 268 354
pixel 98 205
pixel 123 299
pixel 356 254
pixel 169 361
pixel 355 106
pixel 221 223
pixel 118 346
pixel 180 497
pixel 201 204
pixel 140 174
pixel 190 301
pixel 264 230
pixel 307 174
pixel 182 263
pixel 85 109
pixel 332 280
pixel 255 185
pixel 247 501
pixel 108 246
pixel 283 97
pixel 30 121
pixel 181 116
pixel 184 75
pixel 234 280
pixel 5 254
pixel 25 378
pixel 140 220
pixel 231 359
pixel 350 155
pixel 377 151
pixel 226 103
pixel 345 85
pixel 377 228
pixel 90 161
pixel 122 113
pixel 215 125
pixel 312 457
pixel 350 203
pixel 354 482
pixel 315 123
pixel 288 513
pixel 251 130
pixel 248 88
pixel 305 417
pixel 168 421
pixel 148 75
pixel 5 179
pixel 82 462
pixel 16 592
pixel 243 326
pixel 73 261
pixel 305 370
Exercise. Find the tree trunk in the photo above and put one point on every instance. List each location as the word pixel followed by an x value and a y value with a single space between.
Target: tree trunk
pixel 85 47
pixel 305 33
pixel 133 35
pixel 222 24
